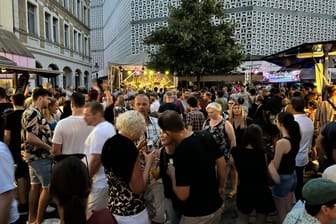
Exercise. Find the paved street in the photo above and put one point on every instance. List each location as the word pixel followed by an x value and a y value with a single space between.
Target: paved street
pixel 230 214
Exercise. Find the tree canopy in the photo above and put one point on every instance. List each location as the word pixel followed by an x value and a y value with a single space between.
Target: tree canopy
pixel 197 41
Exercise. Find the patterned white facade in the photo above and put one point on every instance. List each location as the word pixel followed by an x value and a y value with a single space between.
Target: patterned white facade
pixel 146 17
pixel 263 26
pixel 97 34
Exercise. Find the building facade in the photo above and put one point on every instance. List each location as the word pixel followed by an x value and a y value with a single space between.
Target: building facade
pixel 126 23
pixel 97 36
pixel 5 23
pixel 265 27
pixel 57 33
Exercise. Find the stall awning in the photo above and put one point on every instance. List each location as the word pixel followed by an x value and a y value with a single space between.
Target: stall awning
pixel 7 69
pixel 9 43
pixel 6 61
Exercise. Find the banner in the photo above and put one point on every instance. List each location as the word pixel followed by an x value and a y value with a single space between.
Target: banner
pixel 282 76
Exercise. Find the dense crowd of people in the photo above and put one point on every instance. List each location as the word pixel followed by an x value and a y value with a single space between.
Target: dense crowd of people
pixel 167 156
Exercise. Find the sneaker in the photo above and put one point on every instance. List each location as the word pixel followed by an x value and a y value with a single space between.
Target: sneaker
pixel 23 209
pixel 50 209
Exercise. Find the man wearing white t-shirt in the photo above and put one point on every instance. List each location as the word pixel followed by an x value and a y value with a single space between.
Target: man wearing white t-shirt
pixel 307 134
pixel 71 132
pixel 103 130
pixel 8 204
pixel 155 104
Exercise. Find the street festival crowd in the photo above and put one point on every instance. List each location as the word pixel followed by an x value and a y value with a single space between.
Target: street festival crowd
pixel 168 156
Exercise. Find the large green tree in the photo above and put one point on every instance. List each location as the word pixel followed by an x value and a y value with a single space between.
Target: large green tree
pixel 197 41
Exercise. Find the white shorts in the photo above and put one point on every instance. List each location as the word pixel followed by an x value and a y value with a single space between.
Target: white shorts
pixel 97 199
pixel 140 218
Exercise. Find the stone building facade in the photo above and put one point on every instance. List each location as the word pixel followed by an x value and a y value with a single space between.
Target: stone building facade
pixel 57 32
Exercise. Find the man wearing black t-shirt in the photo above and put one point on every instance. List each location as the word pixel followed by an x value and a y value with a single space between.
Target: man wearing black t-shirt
pixel 12 137
pixel 5 108
pixel 196 181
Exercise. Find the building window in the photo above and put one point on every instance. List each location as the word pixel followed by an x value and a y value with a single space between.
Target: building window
pixel 66 36
pixel 47 26
pixel 74 7
pixel 85 46
pixel 55 30
pixel 85 16
pixel 65 4
pixel 75 40
pixel 79 42
pixel 31 18
pixel 78 9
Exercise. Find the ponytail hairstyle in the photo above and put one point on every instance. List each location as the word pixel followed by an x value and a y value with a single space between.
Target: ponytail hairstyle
pixel 292 127
pixel 69 187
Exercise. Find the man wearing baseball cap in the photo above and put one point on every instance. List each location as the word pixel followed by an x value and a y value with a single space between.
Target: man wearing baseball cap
pixel 320 203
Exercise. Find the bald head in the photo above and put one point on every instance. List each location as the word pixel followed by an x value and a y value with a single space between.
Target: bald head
pixel 141 104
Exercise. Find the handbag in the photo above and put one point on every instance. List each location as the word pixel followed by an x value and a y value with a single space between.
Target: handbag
pixel 272 174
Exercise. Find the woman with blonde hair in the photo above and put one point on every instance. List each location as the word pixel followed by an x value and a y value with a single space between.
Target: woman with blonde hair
pixel 126 180
pixel 238 119
pixel 50 113
pixel 223 133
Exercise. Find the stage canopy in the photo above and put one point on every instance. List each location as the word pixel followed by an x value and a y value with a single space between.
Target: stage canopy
pixel 319 57
pixel 305 55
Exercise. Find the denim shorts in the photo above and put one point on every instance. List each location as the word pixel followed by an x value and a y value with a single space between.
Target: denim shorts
pixel 287 184
pixel 40 172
